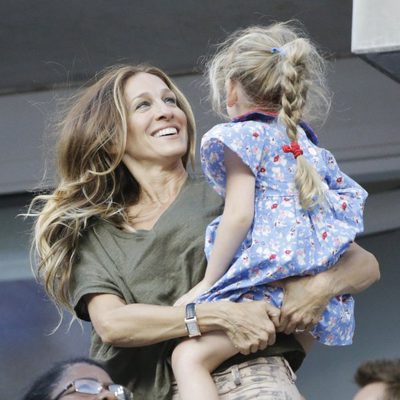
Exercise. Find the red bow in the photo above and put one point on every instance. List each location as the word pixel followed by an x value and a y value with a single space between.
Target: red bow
pixel 293 148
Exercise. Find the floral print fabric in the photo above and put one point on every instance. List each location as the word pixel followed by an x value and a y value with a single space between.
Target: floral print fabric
pixel 284 240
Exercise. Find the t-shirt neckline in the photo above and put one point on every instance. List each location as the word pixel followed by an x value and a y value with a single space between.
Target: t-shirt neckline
pixel 142 233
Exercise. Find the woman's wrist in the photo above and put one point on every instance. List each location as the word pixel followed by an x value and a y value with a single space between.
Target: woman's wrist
pixel 212 316
pixel 324 284
pixel 355 271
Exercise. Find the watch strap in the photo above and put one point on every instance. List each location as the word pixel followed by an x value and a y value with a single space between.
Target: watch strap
pixel 190 310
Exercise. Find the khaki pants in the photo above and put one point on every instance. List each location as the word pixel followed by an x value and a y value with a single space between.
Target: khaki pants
pixel 269 378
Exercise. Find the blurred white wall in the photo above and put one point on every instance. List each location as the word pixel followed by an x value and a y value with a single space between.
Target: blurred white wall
pixel 375 26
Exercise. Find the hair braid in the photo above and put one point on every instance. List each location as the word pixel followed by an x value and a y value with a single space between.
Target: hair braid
pixel 294 86
pixel 290 81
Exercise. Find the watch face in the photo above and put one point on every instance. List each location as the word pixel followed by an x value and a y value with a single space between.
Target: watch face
pixel 192 328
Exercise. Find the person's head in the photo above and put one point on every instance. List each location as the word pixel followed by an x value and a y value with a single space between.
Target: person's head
pixel 113 126
pixel 76 379
pixel 157 128
pixel 277 69
pixel 96 130
pixel 378 380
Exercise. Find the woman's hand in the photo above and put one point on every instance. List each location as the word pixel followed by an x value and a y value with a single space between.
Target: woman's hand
pixel 249 325
pixel 305 298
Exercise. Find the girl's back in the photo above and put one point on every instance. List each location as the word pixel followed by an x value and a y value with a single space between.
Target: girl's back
pixel 285 238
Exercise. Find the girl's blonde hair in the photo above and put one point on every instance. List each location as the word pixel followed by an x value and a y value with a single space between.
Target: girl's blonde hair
pixel 93 181
pixel 281 71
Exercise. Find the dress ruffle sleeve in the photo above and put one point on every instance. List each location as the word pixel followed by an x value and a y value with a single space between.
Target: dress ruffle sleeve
pixel 243 138
pixel 345 196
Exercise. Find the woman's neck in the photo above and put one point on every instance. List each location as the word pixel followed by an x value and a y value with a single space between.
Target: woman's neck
pixel 161 188
pixel 159 185
pixel 158 190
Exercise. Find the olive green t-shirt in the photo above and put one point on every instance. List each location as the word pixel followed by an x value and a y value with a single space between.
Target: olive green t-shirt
pixel 153 267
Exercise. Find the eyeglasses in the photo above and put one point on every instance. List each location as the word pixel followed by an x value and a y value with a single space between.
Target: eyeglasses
pixel 92 386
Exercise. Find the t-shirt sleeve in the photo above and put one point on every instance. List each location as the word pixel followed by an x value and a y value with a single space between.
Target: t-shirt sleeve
pixel 345 196
pixel 243 138
pixel 90 275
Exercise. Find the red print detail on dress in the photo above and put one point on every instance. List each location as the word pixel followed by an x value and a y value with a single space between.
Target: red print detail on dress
pixel 275 205
pixel 324 235
pixel 256 134
pixel 276 158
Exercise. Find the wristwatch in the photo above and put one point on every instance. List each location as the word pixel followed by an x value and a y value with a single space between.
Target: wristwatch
pixel 191 321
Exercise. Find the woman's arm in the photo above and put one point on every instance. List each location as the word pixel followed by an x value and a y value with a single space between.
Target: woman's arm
pixel 355 271
pixel 305 298
pixel 249 325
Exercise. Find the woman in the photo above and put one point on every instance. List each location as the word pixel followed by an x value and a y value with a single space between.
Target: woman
pixel 79 378
pixel 121 238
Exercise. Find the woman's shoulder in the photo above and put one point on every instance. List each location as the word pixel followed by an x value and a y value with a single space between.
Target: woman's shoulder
pixel 97 232
pixel 197 183
pixel 196 179
pixel 201 191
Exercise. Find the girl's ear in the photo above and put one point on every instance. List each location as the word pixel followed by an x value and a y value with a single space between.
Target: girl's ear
pixel 231 93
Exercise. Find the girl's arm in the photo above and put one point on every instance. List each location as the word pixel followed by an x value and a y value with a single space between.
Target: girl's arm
pixel 305 298
pixel 236 219
pixel 235 222
pixel 249 325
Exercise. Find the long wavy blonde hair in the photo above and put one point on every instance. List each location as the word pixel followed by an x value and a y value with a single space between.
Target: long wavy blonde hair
pixel 282 71
pixel 93 182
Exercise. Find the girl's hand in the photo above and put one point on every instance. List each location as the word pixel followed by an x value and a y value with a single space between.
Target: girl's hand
pixel 305 299
pixel 193 293
pixel 250 325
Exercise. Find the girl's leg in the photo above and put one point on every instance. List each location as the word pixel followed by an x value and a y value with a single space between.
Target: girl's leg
pixel 193 360
pixel 306 340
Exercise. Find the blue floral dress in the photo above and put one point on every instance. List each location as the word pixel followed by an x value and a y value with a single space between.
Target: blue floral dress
pixel 284 240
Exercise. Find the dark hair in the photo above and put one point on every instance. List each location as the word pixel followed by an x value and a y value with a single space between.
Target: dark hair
pixel 384 371
pixel 42 387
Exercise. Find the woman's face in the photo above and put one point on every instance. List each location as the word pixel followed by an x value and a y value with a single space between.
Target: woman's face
pixel 80 371
pixel 157 127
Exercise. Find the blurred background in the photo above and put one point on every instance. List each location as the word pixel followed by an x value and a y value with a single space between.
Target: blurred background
pixel 50 48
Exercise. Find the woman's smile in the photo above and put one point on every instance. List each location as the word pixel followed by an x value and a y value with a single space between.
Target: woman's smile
pixel 165 132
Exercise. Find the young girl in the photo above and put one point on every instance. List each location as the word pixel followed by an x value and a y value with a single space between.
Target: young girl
pixel 289 210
